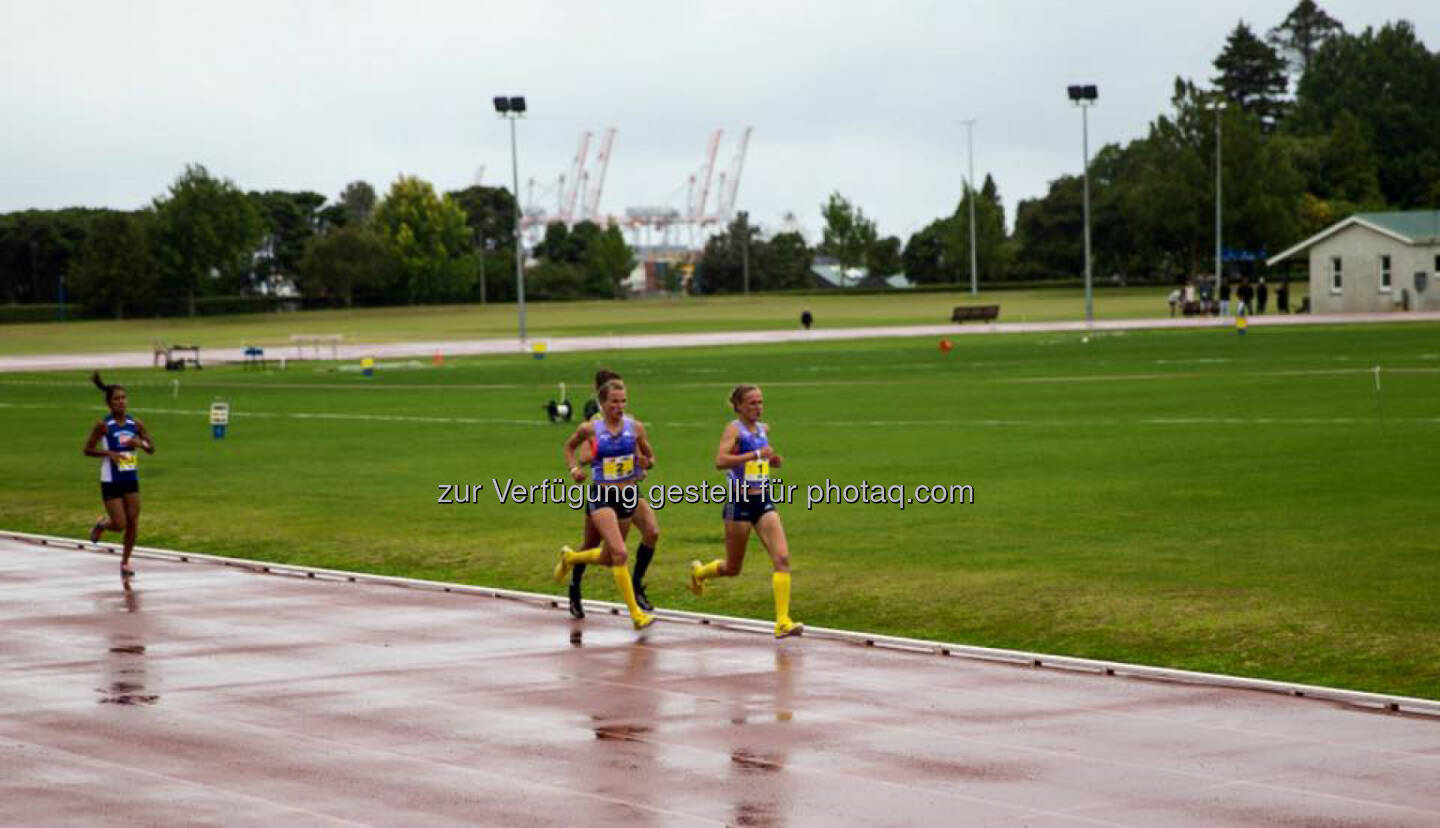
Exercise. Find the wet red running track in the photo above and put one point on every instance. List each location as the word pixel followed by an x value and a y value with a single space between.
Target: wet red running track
pixel 207 694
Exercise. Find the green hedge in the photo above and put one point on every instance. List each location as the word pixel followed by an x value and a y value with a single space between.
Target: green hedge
pixel 48 312
pixel 204 306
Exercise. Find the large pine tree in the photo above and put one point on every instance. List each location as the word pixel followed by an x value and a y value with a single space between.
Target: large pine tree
pixel 1302 33
pixel 1252 75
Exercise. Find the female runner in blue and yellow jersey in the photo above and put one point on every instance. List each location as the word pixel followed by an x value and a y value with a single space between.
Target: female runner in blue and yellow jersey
pixel 114 440
pixel 746 455
pixel 621 450
pixel 645 520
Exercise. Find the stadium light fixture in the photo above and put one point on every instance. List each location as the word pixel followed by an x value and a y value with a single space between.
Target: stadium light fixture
pixel 512 108
pixel 1084 96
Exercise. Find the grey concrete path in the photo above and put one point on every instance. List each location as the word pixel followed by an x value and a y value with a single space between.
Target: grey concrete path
pixel 472 347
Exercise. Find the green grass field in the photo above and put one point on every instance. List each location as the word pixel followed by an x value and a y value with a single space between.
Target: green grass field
pixel 724 313
pixel 1195 499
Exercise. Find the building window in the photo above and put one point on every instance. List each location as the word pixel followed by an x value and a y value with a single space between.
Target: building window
pixel 1384 274
pixel 1335 274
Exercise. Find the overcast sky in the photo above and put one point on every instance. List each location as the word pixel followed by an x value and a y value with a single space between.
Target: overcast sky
pixel 104 102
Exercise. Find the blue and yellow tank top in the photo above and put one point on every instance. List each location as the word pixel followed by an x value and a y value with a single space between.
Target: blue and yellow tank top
pixel 122 436
pixel 614 460
pixel 754 472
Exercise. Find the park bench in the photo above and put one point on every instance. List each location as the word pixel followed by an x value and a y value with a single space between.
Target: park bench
pixel 254 357
pixel 981 312
pixel 176 361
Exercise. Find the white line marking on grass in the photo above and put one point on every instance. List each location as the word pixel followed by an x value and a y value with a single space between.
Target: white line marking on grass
pixel 1078 378
pixel 359 385
pixel 308 415
pixel 945 423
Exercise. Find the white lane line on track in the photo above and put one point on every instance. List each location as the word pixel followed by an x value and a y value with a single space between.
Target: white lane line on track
pixel 932 733
pixel 113 767
pixel 405 698
pixel 1212 779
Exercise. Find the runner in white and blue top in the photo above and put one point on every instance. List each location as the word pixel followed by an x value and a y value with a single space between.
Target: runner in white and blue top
pixel 121 466
pixel 115 441
pixel 621 451
pixel 746 456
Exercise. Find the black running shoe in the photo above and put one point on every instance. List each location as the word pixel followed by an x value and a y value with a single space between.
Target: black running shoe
pixel 640 599
pixel 577 609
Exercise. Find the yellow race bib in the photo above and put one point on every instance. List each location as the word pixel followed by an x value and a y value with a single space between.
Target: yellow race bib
pixel 127 462
pixel 619 467
pixel 757 471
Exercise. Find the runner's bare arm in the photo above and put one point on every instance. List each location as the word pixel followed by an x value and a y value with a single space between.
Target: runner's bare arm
pixel 95 434
pixel 642 446
pixel 145 441
pixel 724 459
pixel 581 435
pixel 769 451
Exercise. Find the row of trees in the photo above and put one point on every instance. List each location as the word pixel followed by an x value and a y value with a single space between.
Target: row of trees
pixel 784 261
pixel 1355 136
pixel 207 238
pixel 1352 139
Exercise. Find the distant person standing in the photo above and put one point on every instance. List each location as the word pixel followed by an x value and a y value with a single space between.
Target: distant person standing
pixel 1174 300
pixel 807 319
pixel 1282 297
pixel 1224 298
pixel 1246 294
pixel 1261 294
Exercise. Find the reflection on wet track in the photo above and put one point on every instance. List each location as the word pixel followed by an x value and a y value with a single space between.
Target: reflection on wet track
pixel 231 695
pixel 125 666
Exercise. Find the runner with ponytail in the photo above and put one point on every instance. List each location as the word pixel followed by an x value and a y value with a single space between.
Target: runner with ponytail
pixel 115 440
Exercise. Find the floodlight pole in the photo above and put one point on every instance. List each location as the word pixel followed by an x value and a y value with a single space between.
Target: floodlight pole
pixel 745 248
pixel 1085 150
pixel 970 190
pixel 1219 107
pixel 519 239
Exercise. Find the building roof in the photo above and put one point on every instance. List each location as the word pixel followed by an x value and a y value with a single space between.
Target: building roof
pixel 829 274
pixel 1408 226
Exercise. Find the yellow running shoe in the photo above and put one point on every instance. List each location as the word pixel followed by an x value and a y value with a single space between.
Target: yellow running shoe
pixel 562 568
pixel 697 586
pixel 786 628
pixel 642 620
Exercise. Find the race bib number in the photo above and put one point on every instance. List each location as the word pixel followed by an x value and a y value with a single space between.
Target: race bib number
pixel 619 467
pixel 127 462
pixel 757 471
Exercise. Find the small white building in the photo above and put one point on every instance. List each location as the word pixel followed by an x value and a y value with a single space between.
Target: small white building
pixel 1373 262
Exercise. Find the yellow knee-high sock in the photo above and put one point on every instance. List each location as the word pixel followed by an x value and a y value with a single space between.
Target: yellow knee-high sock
pixel 585 556
pixel 627 589
pixel 710 570
pixel 781 583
